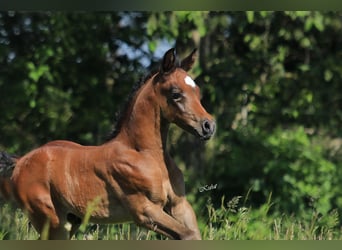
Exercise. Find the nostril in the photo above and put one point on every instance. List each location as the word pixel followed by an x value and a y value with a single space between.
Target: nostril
pixel 207 127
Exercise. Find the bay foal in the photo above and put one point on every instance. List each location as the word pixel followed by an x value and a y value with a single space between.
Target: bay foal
pixel 130 177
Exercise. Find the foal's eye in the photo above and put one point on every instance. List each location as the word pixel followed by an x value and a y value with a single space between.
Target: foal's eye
pixel 176 96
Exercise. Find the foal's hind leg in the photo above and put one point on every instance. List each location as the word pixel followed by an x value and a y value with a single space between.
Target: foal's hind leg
pixel 43 215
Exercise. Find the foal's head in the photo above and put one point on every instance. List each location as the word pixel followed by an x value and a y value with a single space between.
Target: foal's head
pixel 179 96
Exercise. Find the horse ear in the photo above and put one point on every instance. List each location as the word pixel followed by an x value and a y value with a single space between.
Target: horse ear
pixel 189 61
pixel 169 60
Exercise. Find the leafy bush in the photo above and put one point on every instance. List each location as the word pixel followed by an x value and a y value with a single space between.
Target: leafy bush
pixel 298 173
pixel 287 163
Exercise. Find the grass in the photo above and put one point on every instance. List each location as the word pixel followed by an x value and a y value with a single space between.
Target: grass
pixel 235 222
pixel 231 221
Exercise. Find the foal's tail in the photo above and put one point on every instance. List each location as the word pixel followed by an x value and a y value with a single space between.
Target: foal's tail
pixel 7 164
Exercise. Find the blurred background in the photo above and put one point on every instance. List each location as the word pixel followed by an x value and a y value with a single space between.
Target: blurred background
pixel 273 81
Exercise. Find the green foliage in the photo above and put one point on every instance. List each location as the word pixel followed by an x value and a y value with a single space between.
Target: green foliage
pixel 54 73
pixel 298 172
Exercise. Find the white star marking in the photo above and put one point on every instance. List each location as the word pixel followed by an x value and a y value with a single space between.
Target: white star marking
pixel 189 81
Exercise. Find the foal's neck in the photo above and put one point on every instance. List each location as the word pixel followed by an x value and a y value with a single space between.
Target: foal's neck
pixel 144 128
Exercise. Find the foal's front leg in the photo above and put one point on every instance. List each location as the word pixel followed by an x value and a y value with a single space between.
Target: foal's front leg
pixel 180 209
pixel 153 217
pixel 183 212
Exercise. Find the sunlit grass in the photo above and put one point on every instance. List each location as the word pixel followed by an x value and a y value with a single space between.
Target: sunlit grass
pixel 234 222
pixel 231 221
pixel 14 224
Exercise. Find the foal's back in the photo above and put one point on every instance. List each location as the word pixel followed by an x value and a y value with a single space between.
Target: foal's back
pixel 65 176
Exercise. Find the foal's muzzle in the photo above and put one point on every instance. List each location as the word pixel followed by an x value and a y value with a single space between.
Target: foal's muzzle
pixel 208 129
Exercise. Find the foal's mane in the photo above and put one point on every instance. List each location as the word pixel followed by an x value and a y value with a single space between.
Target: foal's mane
pixel 123 112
